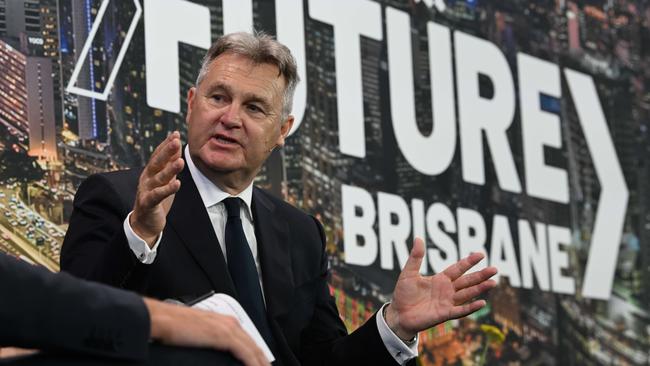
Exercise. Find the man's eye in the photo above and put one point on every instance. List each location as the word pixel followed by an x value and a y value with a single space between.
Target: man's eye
pixel 217 98
pixel 255 109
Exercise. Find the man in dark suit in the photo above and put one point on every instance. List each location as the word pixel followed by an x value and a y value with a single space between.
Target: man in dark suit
pixel 57 312
pixel 191 221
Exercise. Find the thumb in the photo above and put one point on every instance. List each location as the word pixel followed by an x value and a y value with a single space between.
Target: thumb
pixel 414 261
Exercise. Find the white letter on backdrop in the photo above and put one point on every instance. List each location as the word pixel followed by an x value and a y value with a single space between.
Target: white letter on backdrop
pixel 475 56
pixel 471 235
pixel 533 256
pixel 355 226
pixel 502 251
pixel 427 154
pixel 290 29
pixel 165 24
pixel 393 234
pixel 540 128
pixel 350 19
pixel 237 16
pixel 440 221
pixel 557 236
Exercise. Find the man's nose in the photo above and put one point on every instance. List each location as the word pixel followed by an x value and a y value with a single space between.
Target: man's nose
pixel 232 116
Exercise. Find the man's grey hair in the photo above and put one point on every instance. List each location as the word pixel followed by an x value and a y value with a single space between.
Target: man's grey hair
pixel 261 49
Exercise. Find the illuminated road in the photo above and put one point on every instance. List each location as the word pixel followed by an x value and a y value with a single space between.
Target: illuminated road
pixel 25 232
pixel 29 250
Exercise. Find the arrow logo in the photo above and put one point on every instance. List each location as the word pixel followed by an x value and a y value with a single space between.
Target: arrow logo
pixel 603 252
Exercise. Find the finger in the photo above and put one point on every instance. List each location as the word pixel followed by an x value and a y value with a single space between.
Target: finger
pixel 466 309
pixel 253 353
pixel 261 358
pixel 158 194
pixel 241 350
pixel 164 176
pixel 459 268
pixel 164 143
pixel 415 257
pixel 166 151
pixel 169 137
pixel 171 151
pixel 469 293
pixel 245 349
pixel 474 278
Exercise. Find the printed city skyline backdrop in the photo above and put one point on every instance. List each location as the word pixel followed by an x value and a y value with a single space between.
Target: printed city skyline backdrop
pixel 52 138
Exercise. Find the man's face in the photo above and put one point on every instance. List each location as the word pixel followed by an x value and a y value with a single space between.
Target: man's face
pixel 233 116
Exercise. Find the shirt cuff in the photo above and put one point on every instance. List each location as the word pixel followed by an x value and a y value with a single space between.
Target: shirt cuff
pixel 138 246
pixel 400 351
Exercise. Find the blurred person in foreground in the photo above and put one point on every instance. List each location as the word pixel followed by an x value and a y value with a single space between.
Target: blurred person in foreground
pixel 192 221
pixel 58 312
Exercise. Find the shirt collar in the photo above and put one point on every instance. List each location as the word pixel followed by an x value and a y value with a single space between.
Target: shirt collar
pixel 210 193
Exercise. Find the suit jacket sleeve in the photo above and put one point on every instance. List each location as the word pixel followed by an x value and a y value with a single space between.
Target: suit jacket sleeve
pixel 325 342
pixel 47 311
pixel 95 246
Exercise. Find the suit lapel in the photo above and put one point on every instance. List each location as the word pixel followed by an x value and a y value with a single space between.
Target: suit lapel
pixel 188 213
pixel 189 218
pixel 272 234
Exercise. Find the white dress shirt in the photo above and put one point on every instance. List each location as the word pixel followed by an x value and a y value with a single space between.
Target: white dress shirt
pixel 212 197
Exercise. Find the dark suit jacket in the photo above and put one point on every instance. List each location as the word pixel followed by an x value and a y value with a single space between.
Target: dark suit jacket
pixel 57 312
pixel 291 246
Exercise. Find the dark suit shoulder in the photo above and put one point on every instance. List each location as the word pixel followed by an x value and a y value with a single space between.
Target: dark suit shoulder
pixel 282 207
pixel 95 246
pixel 122 184
pixel 123 175
pixel 123 180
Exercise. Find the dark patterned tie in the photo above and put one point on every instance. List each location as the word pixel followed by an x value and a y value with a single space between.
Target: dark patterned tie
pixel 243 271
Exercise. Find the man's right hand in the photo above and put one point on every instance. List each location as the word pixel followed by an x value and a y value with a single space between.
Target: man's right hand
pixel 156 189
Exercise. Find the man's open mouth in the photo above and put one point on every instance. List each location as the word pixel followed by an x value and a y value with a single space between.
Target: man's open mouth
pixel 225 139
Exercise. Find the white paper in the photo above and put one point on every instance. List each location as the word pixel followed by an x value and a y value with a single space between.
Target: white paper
pixel 226 305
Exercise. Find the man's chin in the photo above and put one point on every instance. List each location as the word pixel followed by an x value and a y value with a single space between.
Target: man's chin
pixel 218 164
pixel 222 168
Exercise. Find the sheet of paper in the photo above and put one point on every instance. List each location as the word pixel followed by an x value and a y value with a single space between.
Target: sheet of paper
pixel 225 304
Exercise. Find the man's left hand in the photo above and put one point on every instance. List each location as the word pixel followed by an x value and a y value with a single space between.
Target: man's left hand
pixel 420 302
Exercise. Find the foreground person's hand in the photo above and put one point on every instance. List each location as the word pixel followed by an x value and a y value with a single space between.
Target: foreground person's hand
pixel 176 325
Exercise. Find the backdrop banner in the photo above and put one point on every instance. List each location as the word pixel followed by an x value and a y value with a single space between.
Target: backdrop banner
pixel 515 128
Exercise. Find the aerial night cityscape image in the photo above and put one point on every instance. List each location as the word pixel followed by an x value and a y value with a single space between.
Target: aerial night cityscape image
pixel 416 118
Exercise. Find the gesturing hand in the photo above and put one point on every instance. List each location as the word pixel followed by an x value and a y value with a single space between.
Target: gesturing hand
pixel 156 189
pixel 420 302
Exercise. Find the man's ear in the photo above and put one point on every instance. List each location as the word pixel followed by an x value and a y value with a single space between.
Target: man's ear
pixel 284 130
pixel 191 93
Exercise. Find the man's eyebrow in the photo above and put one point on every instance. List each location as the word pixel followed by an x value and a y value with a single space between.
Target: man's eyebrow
pixel 218 87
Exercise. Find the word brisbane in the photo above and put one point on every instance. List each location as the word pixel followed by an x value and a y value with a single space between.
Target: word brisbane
pixel 542 257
